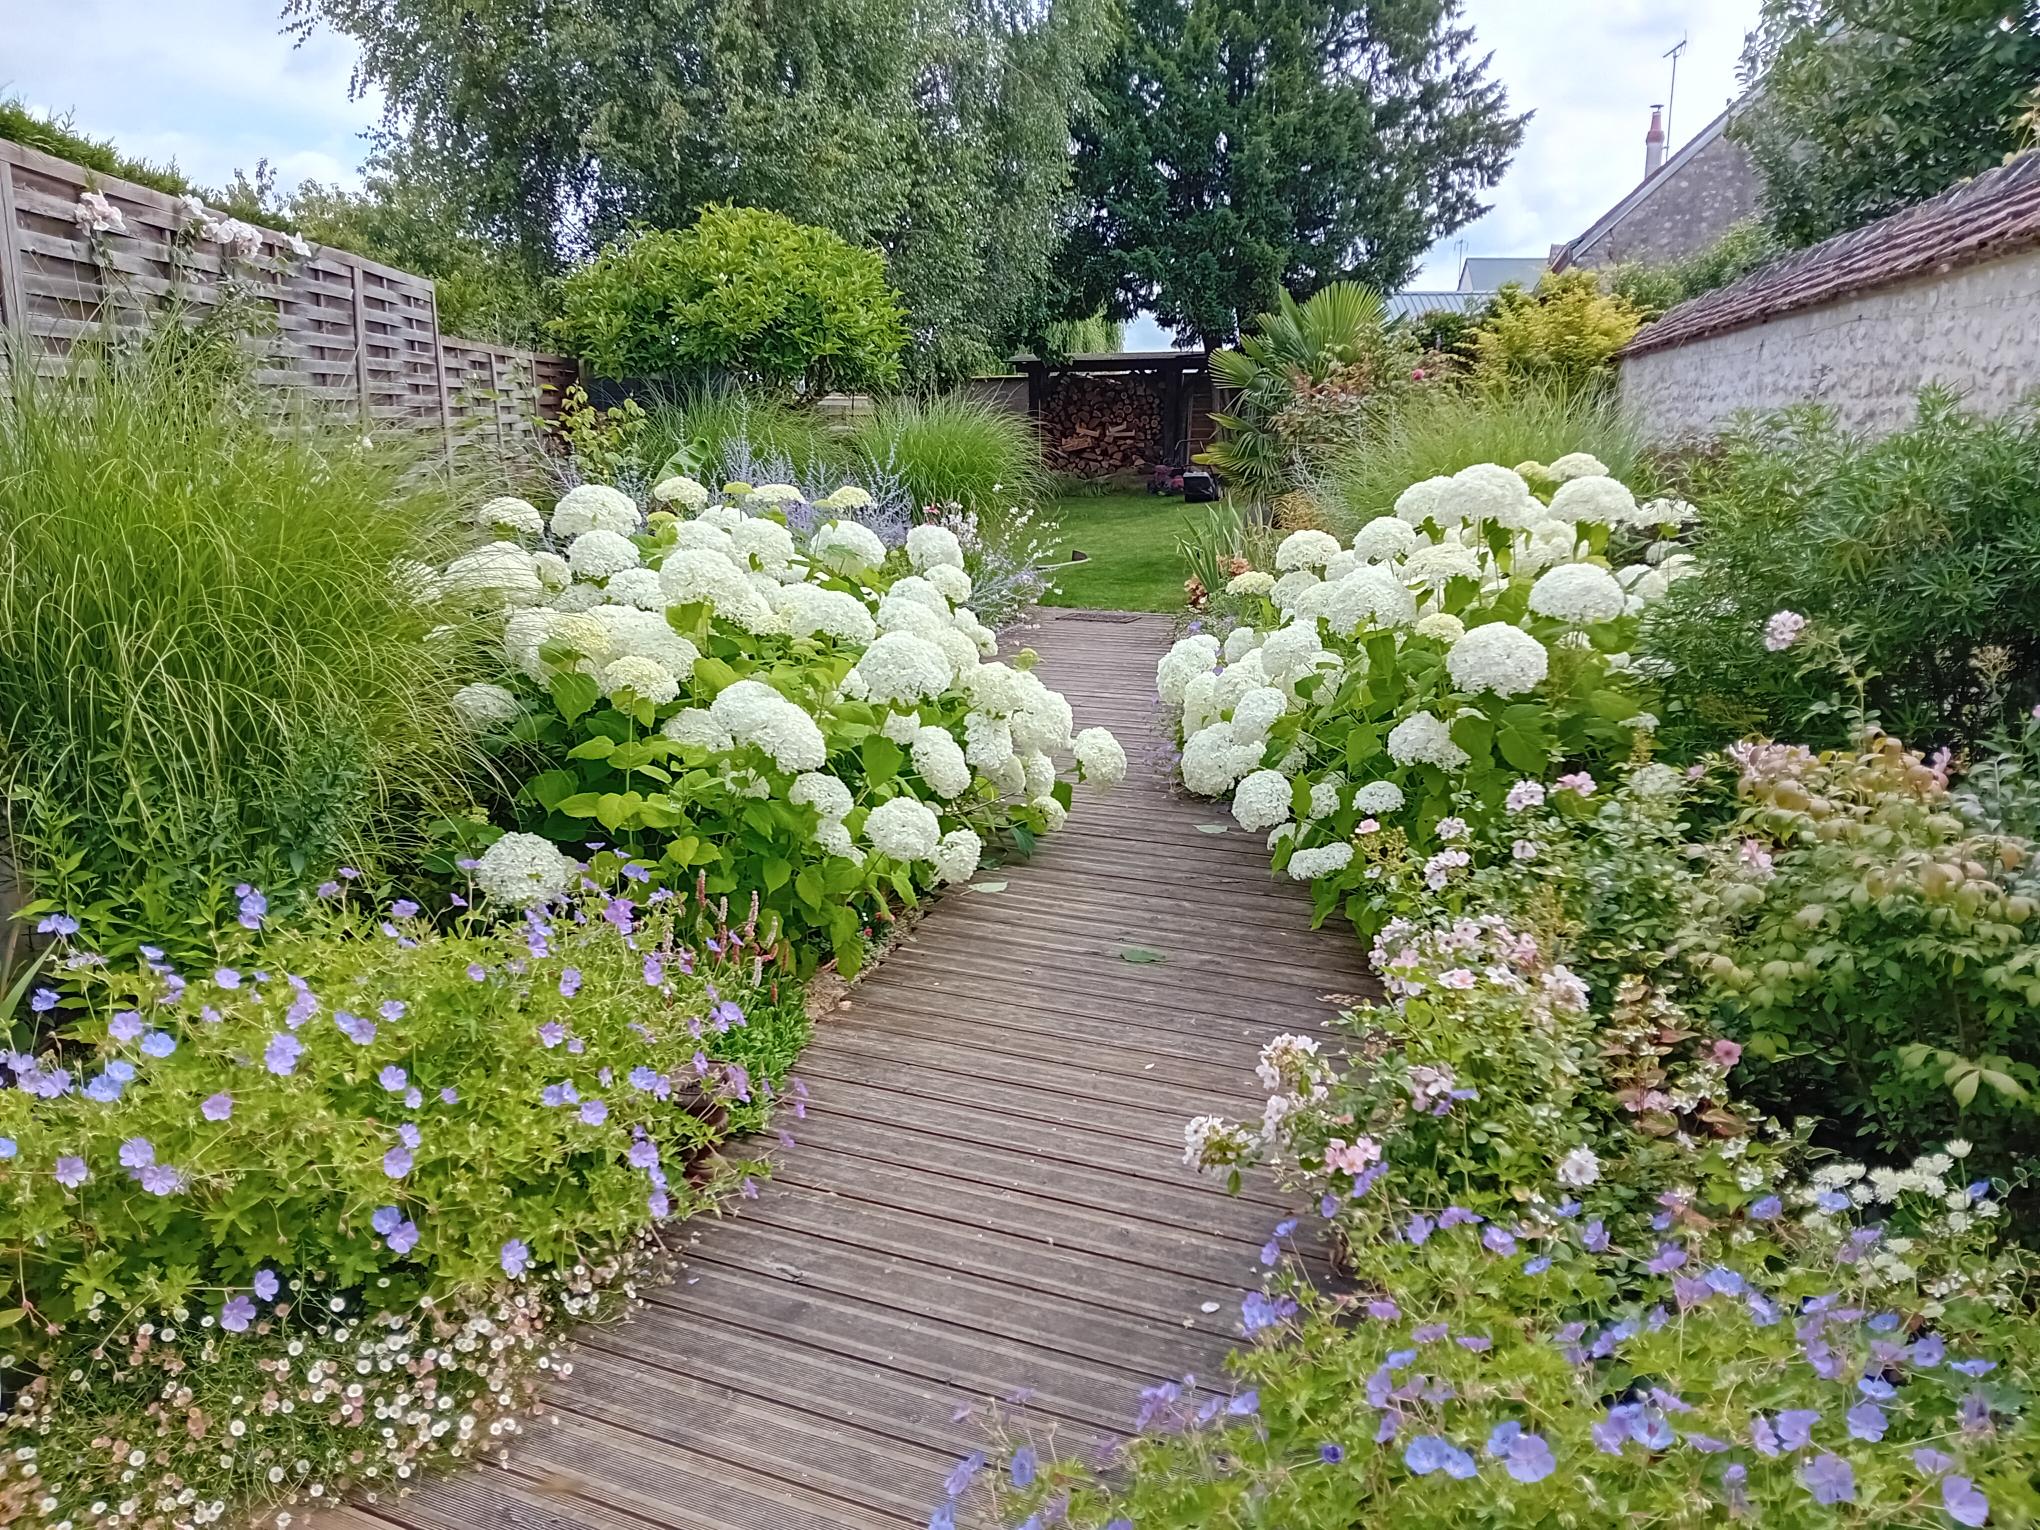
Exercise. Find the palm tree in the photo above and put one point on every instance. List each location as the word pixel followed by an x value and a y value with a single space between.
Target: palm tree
pixel 1299 343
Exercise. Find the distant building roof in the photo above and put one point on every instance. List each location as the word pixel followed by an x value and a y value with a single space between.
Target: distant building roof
pixel 1111 361
pixel 1646 188
pixel 1995 214
pixel 1490 273
pixel 1411 305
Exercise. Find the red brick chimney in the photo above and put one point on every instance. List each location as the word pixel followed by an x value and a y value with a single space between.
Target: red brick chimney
pixel 1654 143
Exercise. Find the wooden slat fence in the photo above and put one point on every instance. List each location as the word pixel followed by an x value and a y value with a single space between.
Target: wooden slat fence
pixel 350 332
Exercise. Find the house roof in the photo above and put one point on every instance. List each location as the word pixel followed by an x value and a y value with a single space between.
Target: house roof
pixel 1994 214
pixel 1486 273
pixel 1644 189
pixel 1410 305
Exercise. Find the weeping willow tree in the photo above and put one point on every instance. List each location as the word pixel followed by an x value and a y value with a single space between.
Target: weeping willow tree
pixel 1308 377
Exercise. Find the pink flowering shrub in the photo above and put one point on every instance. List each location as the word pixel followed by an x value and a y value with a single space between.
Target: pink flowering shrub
pixel 358 1139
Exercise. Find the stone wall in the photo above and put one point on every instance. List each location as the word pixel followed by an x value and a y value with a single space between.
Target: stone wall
pixel 1692 204
pixel 1865 354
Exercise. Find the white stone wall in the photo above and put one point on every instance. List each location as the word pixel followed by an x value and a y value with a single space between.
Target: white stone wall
pixel 1976 329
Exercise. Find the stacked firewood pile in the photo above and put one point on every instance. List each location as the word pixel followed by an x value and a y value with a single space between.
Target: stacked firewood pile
pixel 1092 426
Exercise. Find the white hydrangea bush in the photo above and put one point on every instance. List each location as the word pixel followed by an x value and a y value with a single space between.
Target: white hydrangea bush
pixel 723 704
pixel 1379 696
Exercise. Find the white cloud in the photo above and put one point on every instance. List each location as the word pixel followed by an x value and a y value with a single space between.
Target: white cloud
pixel 213 84
pixel 1591 70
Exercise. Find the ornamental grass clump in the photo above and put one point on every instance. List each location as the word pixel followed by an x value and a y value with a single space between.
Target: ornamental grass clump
pixel 1473 636
pixel 307 1213
pixel 217 662
pixel 765 694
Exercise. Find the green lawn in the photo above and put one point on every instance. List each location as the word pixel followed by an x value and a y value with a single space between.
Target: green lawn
pixel 1131 541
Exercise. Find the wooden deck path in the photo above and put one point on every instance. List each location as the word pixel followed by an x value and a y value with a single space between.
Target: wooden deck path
pixel 987 1194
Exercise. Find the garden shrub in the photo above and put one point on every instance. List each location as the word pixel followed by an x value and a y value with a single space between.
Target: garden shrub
pixel 742 295
pixel 1473 638
pixel 1877 953
pixel 1585 1281
pixel 772 700
pixel 715 434
pixel 1563 334
pixel 1436 432
pixel 311 1208
pixel 214 668
pixel 1917 552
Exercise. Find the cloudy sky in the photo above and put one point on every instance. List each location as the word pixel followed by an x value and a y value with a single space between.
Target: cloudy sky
pixel 216 85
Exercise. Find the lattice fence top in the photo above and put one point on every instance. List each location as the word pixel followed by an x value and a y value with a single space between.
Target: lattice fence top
pixel 350 332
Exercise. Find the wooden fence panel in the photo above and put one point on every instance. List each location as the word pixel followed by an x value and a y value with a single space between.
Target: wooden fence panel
pixel 350 333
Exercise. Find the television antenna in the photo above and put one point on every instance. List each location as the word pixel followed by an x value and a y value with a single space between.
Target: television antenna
pixel 1672 95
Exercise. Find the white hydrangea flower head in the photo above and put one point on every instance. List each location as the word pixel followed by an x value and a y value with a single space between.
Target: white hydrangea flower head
pixel 697 726
pixel 904 829
pixel 1284 650
pixel 706 535
pixel 1436 565
pixel 913 587
pixel 900 727
pixel 582 632
pixel 1576 465
pixel 1190 656
pixel 1665 512
pixel 827 795
pixel 848 497
pixel 987 740
pixel 593 507
pixel 1261 801
pixel 1384 539
pixel 764 545
pixel 933 547
pixel 1677 566
pixel 1498 657
pixel 1253 582
pixel 506 512
pixel 1422 502
pixel 1200 704
pixel 1240 642
pixel 1650 587
pixel 501 569
pixel 1255 712
pixel 846 547
pixel 1037 774
pixel 642 677
pixel 1324 795
pixel 1008 778
pixel 1044 722
pixel 696 576
pixel 1053 814
pixel 552 570
pixel 1291 587
pixel 597 554
pixel 961 648
pixel 1238 679
pixel 1280 835
pixel 1212 761
pixel 1309 865
pixel 897 615
pixel 901 667
pixel 637 587
pixel 723 517
pixel 1442 625
pixel 1423 738
pixel 809 609
pixel 835 840
pixel 939 761
pixel 957 857
pixel 1100 757
pixel 1342 564
pixel 994 688
pixel 758 715
pixel 1366 599
pixel 776 494
pixel 1378 799
pixel 482 706
pixel 647 635
pixel 1488 493
pixel 1306 549
pixel 950 581
pixel 579 597
pixel 1598 501
pixel 680 490
pixel 523 634
pixel 523 869
pixel 1578 592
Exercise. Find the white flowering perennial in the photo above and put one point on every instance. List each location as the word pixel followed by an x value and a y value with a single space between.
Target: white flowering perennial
pixel 1450 616
pixel 751 682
